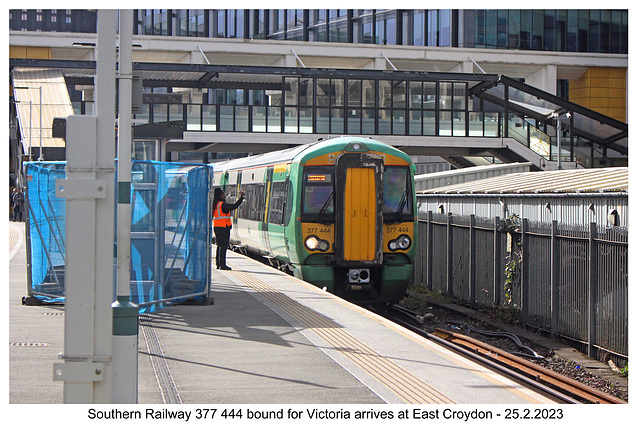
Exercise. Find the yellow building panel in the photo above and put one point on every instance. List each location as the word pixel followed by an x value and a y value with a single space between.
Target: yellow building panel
pixel 618 73
pixel 602 89
pixel 29 52
pixel 599 103
pixel 598 72
pixel 619 114
pixel 598 92
pixel 598 82
pixel 17 52
pixel 618 83
pixel 616 93
pixel 617 103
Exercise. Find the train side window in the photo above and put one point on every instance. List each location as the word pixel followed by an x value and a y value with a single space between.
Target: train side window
pixel 276 203
pixel 253 207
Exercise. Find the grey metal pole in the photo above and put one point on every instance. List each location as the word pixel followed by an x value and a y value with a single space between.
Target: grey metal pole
pixel 30 126
pixel 125 313
pixel 89 189
pixel 40 157
pixel 558 137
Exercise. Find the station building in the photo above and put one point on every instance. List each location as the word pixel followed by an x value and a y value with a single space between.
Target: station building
pixel 454 88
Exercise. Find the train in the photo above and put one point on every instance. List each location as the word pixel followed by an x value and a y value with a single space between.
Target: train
pixel 338 213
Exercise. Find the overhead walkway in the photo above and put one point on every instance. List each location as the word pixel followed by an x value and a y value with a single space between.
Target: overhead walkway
pixel 468 119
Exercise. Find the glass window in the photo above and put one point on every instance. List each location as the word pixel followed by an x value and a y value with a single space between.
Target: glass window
pixel 418 28
pixel 317 197
pixel 322 92
pixel 384 88
pixel 396 194
pixel 491 27
pixel 354 93
pixel 337 92
pixel 291 91
pixel 415 122
pixel 429 123
pixel 368 93
pixel 459 95
pixel 337 120
pixel 399 95
pixel 445 95
pixel 415 94
pixel 305 91
pixel 399 122
pixel 429 98
pixel 277 202
pixel 322 120
pixel 503 29
pixel 353 121
pixel 537 38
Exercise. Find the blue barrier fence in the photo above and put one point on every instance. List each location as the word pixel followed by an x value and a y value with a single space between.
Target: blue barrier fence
pixel 170 232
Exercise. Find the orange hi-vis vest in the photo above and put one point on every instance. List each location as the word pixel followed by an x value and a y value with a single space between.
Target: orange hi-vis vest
pixel 220 218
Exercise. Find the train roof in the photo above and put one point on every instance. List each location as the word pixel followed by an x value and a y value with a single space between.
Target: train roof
pixel 301 153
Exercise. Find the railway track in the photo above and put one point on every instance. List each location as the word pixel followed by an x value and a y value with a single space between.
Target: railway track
pixel 557 386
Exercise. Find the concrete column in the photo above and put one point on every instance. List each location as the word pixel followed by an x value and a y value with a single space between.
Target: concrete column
pixel 465 67
pixel 546 78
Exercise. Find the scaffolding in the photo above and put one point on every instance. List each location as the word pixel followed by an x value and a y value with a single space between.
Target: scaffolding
pixel 170 233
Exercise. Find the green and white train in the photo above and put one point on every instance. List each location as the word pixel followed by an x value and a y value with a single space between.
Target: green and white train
pixel 339 213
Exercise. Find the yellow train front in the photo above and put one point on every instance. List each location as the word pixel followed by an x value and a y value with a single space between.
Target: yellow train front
pixel 340 214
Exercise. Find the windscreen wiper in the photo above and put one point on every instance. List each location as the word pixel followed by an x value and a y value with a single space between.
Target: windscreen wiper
pixel 324 207
pixel 401 205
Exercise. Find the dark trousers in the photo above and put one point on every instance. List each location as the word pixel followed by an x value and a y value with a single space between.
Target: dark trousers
pixel 222 241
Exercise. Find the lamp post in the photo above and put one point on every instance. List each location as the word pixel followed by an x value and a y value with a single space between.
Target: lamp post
pixel 41 157
pixel 558 116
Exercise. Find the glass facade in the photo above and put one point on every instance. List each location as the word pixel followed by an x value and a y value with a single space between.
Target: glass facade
pixel 595 31
pixel 375 104
pixel 583 30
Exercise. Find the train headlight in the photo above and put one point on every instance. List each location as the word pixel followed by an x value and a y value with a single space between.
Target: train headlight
pixel 313 243
pixel 403 242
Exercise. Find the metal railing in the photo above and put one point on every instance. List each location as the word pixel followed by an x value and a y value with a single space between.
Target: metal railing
pixel 571 282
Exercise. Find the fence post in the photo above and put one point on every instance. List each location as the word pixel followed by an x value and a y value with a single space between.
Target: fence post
pixel 449 254
pixel 472 261
pixel 497 262
pixel 593 286
pixel 524 269
pixel 429 259
pixel 555 279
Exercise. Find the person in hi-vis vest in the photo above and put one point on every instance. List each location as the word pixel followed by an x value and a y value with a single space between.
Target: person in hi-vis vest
pixel 222 225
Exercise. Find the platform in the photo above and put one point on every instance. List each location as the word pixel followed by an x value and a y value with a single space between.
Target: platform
pixel 268 338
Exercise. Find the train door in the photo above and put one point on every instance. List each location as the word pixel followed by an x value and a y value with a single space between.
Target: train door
pixel 359 206
pixel 265 222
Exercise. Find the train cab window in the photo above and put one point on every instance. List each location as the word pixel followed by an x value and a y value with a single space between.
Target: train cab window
pixel 397 200
pixel 317 198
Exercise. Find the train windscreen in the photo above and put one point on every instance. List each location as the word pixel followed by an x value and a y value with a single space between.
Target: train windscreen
pixel 397 200
pixel 317 202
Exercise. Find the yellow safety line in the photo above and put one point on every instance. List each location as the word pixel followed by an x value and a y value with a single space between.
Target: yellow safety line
pixel 407 386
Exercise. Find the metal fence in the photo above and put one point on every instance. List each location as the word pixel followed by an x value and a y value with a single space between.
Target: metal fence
pixel 569 281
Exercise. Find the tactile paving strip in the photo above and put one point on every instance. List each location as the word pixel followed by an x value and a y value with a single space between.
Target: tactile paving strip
pixel 408 387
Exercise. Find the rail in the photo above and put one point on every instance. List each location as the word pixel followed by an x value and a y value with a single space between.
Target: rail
pixel 529 369
pixel 558 387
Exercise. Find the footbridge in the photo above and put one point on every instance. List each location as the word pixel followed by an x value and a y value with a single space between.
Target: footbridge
pixel 467 119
